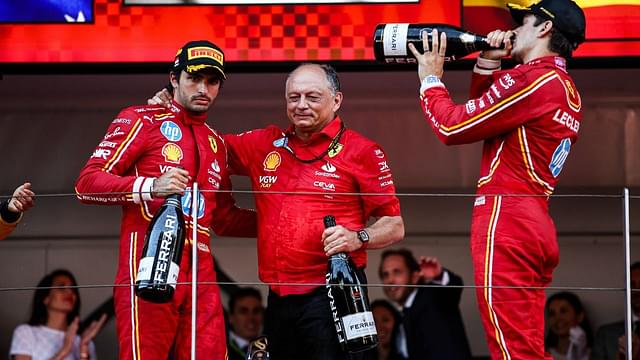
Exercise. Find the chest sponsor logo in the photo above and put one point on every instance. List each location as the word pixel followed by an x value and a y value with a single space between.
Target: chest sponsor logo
pixel 121 121
pixel 165 168
pixel 325 185
pixel 335 150
pixel 378 153
pixel 172 153
pixel 171 131
pixel 383 166
pixel 215 169
pixel 559 157
pixel 280 143
pixel 386 183
pixel 116 132
pixel 108 144
pixel 214 183
pixel 215 166
pixel 272 161
pixel 187 200
pixel 328 170
pixel 101 154
pixel 328 167
pixel 214 144
pixel 266 181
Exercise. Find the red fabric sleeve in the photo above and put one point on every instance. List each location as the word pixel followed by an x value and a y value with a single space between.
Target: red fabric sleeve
pixel 498 110
pixel 105 171
pixel 374 176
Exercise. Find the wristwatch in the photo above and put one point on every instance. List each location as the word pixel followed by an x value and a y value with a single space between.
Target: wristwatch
pixel 363 236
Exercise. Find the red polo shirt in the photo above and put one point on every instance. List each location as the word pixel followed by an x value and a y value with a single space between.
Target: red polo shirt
pixel 295 196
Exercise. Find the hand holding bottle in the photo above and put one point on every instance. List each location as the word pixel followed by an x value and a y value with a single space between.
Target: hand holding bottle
pixel 174 181
pixel 497 39
pixel 337 239
pixel 431 62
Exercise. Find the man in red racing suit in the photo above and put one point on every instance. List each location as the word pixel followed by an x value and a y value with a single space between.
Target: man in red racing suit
pixel 147 152
pixel 529 118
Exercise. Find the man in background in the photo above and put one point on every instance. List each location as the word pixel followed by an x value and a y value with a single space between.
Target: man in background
pixel 611 341
pixel 246 314
pixel 432 326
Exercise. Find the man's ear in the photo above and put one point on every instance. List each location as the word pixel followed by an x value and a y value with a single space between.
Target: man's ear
pixel 545 28
pixel 173 79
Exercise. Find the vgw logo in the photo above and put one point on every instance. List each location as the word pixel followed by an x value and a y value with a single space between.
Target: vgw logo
pixel 266 181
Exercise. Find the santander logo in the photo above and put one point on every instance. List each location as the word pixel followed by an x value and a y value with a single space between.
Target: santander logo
pixel 329 168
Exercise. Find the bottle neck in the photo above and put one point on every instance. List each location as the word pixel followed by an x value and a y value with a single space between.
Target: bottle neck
pixel 173 199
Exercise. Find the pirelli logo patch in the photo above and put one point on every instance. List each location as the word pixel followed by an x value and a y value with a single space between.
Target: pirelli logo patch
pixel 205 52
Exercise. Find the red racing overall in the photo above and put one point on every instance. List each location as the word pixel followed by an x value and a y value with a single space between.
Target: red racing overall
pixel 529 118
pixel 142 143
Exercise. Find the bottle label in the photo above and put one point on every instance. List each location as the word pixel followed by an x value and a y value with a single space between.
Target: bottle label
pixel 359 325
pixel 174 270
pixel 394 39
pixel 144 269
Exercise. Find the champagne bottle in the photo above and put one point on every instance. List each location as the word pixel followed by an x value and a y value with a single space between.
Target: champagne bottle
pixel 390 41
pixel 160 263
pixel 348 302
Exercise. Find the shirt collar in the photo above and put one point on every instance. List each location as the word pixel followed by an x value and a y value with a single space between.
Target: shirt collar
pixel 555 61
pixel 329 131
pixel 187 117
pixel 410 299
pixel 241 342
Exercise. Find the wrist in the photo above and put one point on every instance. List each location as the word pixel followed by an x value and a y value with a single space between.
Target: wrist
pixel 430 81
pixel 363 237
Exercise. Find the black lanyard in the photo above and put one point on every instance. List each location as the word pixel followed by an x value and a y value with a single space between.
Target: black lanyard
pixel 332 146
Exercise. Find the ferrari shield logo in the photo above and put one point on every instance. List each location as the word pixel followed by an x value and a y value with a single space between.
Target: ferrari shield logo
pixel 335 150
pixel 213 143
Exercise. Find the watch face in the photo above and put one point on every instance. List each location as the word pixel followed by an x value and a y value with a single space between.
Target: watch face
pixel 363 235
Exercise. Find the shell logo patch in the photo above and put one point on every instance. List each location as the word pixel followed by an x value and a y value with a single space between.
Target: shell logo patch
pixel 172 153
pixel 213 144
pixel 272 161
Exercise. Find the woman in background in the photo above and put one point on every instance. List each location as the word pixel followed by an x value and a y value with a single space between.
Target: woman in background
pixel 52 329
pixel 569 335
pixel 388 324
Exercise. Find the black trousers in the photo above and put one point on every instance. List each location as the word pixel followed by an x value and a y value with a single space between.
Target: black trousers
pixel 301 327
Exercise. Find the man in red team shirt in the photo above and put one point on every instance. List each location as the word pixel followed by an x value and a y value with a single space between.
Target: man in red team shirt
pixel 301 174
pixel 148 153
pixel 528 117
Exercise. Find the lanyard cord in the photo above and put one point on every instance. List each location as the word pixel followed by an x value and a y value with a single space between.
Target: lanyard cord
pixel 332 146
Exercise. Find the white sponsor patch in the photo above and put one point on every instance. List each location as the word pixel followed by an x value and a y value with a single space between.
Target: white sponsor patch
pixel 324 185
pixel 101 154
pixel 108 144
pixel 480 200
pixel 116 132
